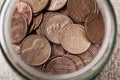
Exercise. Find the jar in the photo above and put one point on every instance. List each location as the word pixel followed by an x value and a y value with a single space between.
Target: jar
pixel 88 72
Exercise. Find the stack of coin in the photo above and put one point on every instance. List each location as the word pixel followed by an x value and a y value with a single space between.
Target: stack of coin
pixel 57 36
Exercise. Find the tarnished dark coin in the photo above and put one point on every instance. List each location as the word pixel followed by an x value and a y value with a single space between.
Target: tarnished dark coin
pixel 25 9
pixel 95 28
pixel 78 62
pixel 79 9
pixel 73 39
pixel 18 28
pixel 35 50
pixel 86 57
pixel 37 5
pixel 56 4
pixel 57 50
pixel 60 65
pixel 94 49
pixel 54 25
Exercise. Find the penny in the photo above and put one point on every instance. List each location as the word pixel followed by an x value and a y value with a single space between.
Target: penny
pixel 38 21
pixel 54 25
pixel 57 50
pixel 94 27
pixel 86 57
pixel 25 9
pixel 61 65
pixel 79 9
pixel 78 62
pixel 35 50
pixel 56 4
pixel 73 39
pixel 18 28
pixel 37 5
pixel 94 49
pixel 45 17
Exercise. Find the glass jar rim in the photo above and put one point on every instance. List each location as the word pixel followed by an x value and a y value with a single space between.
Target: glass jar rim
pixel 100 67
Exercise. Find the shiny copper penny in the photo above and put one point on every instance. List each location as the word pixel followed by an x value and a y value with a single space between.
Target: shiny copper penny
pixel 61 65
pixel 73 39
pixel 56 4
pixel 93 49
pixel 18 28
pixel 79 9
pixel 37 5
pixel 57 50
pixel 86 57
pixel 78 62
pixel 25 9
pixel 95 28
pixel 35 50
pixel 54 25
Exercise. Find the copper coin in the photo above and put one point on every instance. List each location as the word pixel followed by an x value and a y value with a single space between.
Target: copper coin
pixel 57 50
pixel 45 17
pixel 78 62
pixel 61 65
pixel 95 28
pixel 56 4
pixel 38 21
pixel 35 50
pixel 74 40
pixel 18 28
pixel 79 9
pixel 86 57
pixel 94 49
pixel 37 5
pixel 54 25
pixel 25 9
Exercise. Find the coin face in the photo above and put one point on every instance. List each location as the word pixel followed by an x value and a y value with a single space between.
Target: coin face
pixel 56 4
pixel 54 25
pixel 25 9
pixel 94 27
pixel 86 57
pixel 18 28
pixel 73 39
pixel 79 9
pixel 61 65
pixel 78 62
pixel 37 5
pixel 35 50
pixel 57 50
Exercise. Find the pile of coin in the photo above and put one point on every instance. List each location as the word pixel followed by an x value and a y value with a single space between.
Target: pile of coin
pixel 57 36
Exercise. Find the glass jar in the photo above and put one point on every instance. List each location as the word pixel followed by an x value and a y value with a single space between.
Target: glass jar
pixel 86 73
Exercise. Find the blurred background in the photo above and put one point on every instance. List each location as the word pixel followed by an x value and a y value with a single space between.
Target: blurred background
pixel 110 72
